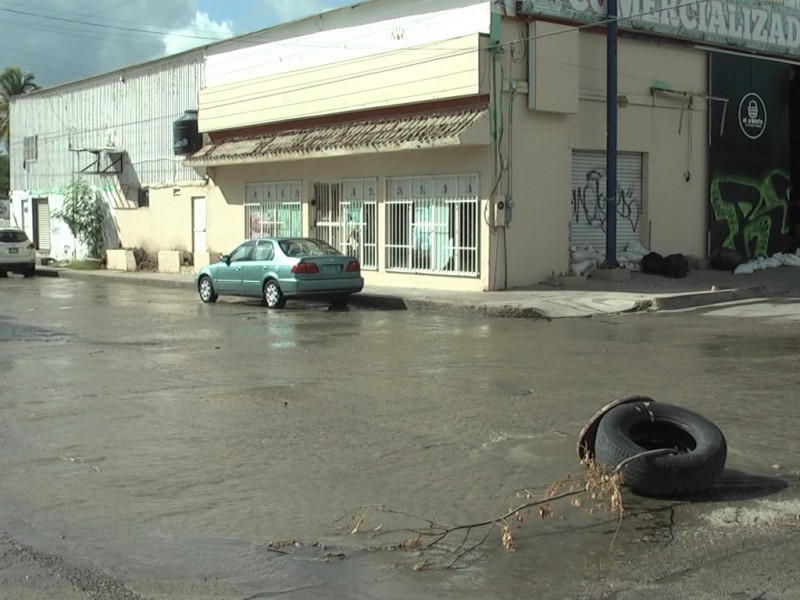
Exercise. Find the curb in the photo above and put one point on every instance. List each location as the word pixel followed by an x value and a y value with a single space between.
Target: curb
pixel 121 278
pixel 694 299
pixel 388 302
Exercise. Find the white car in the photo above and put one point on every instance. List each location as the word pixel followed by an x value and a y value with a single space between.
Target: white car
pixel 17 252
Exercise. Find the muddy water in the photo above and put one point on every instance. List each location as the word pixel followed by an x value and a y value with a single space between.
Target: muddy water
pixel 171 441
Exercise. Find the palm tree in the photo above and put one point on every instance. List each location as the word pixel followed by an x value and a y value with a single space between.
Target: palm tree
pixel 13 81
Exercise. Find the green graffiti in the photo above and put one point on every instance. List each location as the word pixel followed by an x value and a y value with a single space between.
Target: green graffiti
pixel 756 221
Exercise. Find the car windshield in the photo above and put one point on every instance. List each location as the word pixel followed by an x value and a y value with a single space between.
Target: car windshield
pixel 306 246
pixel 13 236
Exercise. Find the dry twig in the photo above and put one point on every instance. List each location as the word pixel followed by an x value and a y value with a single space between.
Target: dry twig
pixel 600 486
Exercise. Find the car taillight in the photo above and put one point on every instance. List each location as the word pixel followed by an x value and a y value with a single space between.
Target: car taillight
pixel 354 266
pixel 305 267
pixel 31 246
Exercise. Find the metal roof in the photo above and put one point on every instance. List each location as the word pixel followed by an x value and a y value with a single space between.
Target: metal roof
pixel 387 134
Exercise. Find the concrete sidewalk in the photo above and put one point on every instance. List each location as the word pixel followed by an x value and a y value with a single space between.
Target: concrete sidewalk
pixel 591 298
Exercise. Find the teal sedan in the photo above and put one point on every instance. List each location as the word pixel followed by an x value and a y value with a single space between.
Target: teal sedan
pixel 277 269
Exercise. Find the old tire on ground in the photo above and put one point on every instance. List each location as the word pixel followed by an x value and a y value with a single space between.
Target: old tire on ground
pixel 631 429
pixel 273 296
pixel 206 290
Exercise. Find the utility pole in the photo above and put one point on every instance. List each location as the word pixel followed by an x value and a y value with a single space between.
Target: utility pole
pixel 611 134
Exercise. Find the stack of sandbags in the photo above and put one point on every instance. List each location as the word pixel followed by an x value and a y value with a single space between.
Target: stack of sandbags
pixel 584 259
pixel 779 259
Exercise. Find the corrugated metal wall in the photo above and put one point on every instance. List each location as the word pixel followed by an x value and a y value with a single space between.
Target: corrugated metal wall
pixel 133 109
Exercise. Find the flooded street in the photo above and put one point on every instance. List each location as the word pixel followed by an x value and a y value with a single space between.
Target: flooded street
pixel 167 443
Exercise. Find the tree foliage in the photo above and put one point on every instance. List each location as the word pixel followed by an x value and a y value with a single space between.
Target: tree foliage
pixel 84 214
pixel 13 81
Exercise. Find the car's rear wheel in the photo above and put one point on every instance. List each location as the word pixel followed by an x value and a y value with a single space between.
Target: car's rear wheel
pixel 206 290
pixel 273 296
pixel 30 272
pixel 3 274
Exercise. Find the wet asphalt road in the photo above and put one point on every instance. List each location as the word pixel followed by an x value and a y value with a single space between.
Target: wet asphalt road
pixel 155 447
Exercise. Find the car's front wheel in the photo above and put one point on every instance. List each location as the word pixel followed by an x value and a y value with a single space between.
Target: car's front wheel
pixel 273 296
pixel 206 290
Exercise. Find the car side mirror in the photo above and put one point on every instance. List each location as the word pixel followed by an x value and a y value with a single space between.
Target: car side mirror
pixel 225 258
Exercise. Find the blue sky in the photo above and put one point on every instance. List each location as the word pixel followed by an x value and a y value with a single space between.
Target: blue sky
pixel 64 40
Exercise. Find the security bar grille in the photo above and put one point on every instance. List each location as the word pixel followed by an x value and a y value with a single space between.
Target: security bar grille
pixel 346 216
pixel 432 225
pixel 272 209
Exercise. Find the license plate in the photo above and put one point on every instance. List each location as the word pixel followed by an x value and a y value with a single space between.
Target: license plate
pixel 331 269
pixel 13 250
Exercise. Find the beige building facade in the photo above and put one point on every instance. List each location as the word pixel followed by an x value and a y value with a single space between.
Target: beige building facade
pixel 539 91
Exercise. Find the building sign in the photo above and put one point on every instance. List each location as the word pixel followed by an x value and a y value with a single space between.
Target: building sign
pixel 768 26
pixel 752 115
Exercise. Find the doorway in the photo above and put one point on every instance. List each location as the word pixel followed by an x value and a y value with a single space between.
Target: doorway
pixel 794 156
pixel 199 237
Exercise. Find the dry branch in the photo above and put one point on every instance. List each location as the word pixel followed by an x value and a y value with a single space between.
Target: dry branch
pixel 429 535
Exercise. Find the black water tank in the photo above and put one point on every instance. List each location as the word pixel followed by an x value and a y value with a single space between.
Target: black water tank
pixel 185 137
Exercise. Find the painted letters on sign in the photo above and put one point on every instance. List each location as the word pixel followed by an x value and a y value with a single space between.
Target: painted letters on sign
pixel 752 24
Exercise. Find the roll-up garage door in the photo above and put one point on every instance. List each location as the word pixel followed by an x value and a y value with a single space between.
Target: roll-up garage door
pixel 42 224
pixel 588 218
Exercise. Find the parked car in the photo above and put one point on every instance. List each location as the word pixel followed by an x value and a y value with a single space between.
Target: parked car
pixel 17 252
pixel 277 269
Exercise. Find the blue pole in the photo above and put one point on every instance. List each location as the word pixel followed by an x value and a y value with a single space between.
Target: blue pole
pixel 611 135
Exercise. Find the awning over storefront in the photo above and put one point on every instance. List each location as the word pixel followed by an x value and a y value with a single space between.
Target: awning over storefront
pixel 465 127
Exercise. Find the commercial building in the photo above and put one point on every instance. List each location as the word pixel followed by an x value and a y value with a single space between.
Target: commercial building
pixel 449 143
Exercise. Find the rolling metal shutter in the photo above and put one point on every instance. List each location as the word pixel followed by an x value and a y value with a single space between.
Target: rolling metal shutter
pixel 43 224
pixel 588 217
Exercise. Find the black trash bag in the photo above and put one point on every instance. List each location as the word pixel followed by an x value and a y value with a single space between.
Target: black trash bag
pixel 653 263
pixel 676 265
pixel 725 259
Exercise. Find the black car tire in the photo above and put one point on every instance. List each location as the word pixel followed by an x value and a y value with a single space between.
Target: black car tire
pixel 3 274
pixel 631 429
pixel 273 296
pixel 30 272
pixel 206 290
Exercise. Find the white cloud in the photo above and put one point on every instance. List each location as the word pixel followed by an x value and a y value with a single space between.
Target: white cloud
pixel 64 40
pixel 197 34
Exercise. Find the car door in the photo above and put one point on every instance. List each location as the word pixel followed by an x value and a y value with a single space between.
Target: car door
pixel 261 263
pixel 229 275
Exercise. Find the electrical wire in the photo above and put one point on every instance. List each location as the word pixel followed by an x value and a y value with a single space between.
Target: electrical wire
pixel 406 64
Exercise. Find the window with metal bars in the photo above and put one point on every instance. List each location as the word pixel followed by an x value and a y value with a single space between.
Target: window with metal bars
pixel 272 209
pixel 30 148
pixel 432 225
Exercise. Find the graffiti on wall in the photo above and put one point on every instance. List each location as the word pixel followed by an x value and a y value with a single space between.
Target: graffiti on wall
pixel 753 211
pixel 589 203
pixel 749 164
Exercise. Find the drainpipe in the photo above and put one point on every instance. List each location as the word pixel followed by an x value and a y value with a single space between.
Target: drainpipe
pixel 611 135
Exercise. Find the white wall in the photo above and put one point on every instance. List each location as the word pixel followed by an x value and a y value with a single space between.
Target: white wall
pixel 392 29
